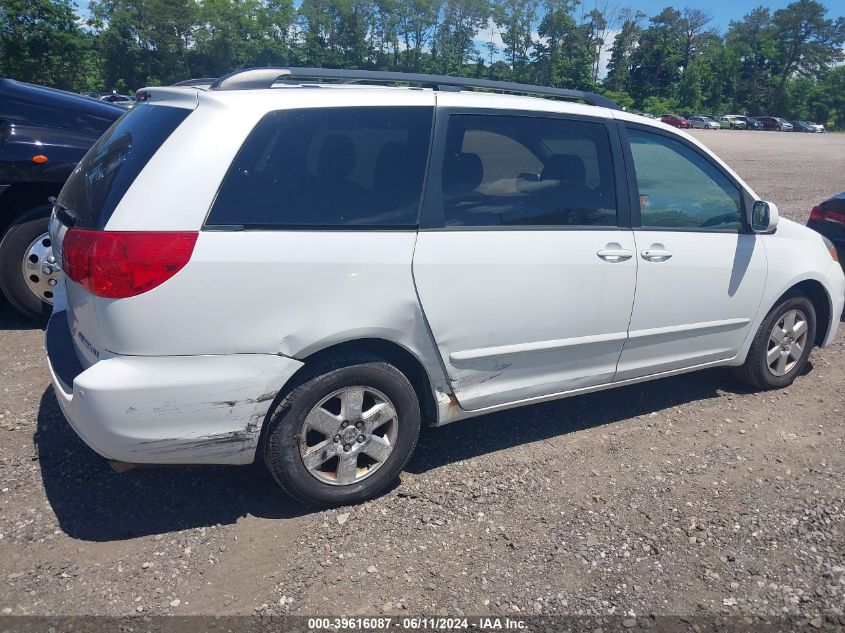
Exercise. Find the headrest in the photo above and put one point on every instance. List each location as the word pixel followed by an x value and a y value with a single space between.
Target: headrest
pixel 565 168
pixel 462 171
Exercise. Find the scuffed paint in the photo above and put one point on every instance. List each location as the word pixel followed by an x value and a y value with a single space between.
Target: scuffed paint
pixel 176 410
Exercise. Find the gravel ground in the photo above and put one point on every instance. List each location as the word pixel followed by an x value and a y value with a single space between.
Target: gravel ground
pixel 685 496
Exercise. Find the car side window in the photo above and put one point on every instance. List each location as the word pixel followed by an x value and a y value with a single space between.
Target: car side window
pixel 681 189
pixel 510 170
pixel 355 167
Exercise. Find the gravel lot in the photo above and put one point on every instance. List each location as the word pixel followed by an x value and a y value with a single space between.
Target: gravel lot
pixel 689 495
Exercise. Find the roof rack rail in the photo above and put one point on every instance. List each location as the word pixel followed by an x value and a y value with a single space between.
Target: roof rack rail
pixel 197 82
pixel 257 78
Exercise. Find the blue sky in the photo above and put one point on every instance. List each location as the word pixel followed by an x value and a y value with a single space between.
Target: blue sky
pixel 723 11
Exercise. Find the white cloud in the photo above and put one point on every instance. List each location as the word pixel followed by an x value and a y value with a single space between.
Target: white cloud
pixel 493 33
pixel 604 58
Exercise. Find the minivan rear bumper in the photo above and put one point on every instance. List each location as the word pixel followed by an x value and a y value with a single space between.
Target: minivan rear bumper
pixel 166 409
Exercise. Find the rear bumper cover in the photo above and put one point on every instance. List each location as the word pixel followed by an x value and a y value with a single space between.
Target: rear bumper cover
pixel 167 409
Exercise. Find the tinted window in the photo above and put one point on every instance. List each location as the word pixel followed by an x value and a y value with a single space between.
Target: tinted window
pixel 353 167
pixel 527 171
pixel 680 188
pixel 112 164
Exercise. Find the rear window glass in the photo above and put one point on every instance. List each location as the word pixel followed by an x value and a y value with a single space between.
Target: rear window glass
pixel 328 167
pixel 112 164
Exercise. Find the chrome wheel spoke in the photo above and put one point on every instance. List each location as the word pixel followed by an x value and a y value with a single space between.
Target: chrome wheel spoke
pixel 773 355
pixel 378 416
pixel 781 363
pixel 789 321
pixel 321 420
pixel 352 401
pixel 378 448
pixel 347 468
pixel 777 334
pixel 319 454
pixel 799 330
pixel 796 351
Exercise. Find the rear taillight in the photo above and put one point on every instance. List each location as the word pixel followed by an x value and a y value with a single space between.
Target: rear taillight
pixel 119 264
pixel 826 215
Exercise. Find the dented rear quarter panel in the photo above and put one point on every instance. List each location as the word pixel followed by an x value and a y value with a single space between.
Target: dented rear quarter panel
pixel 292 293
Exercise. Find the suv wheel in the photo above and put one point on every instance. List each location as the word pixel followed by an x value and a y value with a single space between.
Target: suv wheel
pixel 27 267
pixel 782 345
pixel 344 433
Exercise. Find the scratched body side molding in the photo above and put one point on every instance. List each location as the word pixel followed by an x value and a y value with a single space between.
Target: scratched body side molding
pixel 539 346
pixel 175 409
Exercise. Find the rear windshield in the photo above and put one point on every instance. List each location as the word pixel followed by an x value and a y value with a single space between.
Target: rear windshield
pixel 112 164
pixel 345 167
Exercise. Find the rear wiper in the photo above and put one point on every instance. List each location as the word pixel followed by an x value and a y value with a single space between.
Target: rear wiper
pixel 67 216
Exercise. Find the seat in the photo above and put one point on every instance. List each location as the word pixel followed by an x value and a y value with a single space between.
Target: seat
pixel 567 199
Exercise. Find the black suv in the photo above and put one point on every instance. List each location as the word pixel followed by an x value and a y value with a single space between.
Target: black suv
pixel 43 134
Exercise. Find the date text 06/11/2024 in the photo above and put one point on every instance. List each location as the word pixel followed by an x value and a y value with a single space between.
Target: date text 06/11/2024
pixel 417 623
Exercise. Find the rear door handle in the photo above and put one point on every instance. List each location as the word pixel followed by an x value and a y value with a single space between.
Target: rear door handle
pixel 656 254
pixel 614 255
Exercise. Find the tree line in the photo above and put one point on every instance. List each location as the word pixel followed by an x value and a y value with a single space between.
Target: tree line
pixel 786 62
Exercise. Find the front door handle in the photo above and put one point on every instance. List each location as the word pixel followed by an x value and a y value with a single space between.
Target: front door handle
pixel 615 253
pixel 656 253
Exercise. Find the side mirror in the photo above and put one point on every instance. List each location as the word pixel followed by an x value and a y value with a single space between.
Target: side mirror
pixel 764 217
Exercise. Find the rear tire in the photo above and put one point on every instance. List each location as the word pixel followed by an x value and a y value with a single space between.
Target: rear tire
pixel 344 432
pixel 14 249
pixel 782 345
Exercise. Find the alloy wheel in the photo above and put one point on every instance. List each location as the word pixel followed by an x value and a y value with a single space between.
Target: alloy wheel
pixel 787 342
pixel 348 435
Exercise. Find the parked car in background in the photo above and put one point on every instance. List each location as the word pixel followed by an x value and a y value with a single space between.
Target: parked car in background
pixel 703 123
pixel 278 291
pixel 776 124
pixel 751 123
pixel 124 101
pixel 803 126
pixel 828 218
pixel 819 127
pixel 43 134
pixel 674 120
pixel 732 122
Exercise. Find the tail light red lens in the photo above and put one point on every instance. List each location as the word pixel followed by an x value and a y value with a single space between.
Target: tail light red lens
pixel 826 215
pixel 120 264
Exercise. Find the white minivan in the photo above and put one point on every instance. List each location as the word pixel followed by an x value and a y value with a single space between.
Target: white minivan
pixel 278 266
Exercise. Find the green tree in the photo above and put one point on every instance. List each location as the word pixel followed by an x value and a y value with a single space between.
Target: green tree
pixel 515 19
pixel 460 21
pixel 335 33
pixel 752 44
pixel 656 63
pixel 807 42
pixel 417 22
pixel 41 42
pixel 624 44
pixel 561 56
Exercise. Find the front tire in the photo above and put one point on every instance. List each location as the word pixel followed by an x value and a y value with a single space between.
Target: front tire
pixel 344 432
pixel 782 345
pixel 24 251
